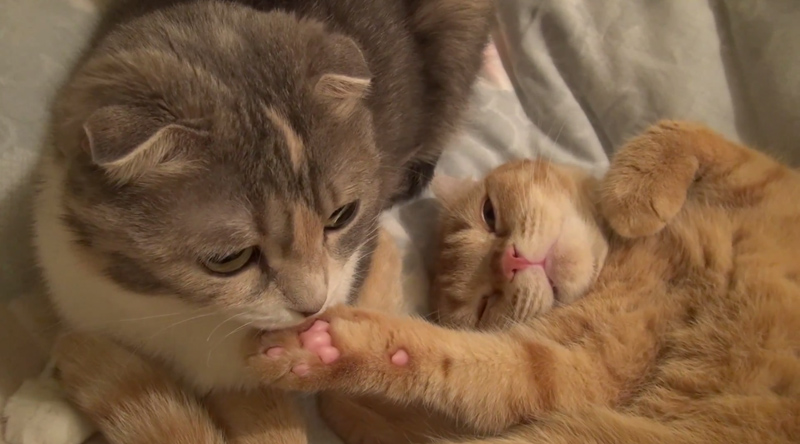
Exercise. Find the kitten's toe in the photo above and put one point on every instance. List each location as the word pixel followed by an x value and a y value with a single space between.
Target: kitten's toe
pixel 276 355
pixel 634 214
pixel 317 340
pixel 295 359
pixel 275 344
pixel 360 337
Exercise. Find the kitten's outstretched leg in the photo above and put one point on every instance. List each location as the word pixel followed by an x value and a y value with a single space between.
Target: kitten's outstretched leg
pixel 130 400
pixel 491 381
pixel 371 419
pixel 649 178
pixel 404 360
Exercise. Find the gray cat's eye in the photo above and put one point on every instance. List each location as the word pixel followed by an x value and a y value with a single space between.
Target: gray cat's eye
pixel 342 216
pixel 232 262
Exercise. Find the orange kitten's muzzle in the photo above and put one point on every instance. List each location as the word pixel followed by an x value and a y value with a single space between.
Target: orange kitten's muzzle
pixel 512 262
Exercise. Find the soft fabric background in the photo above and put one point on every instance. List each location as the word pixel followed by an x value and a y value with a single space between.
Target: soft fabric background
pixel 584 76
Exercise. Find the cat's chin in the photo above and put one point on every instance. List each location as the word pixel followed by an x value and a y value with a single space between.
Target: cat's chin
pixel 532 280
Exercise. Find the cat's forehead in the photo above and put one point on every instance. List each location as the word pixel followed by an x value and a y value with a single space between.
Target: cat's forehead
pixel 267 194
pixel 527 173
pixel 255 130
pixel 268 150
pixel 516 189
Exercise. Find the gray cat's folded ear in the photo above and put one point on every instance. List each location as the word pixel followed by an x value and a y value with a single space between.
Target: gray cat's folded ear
pixel 127 141
pixel 343 74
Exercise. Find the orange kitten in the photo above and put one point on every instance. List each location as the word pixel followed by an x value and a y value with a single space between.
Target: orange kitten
pixel 690 333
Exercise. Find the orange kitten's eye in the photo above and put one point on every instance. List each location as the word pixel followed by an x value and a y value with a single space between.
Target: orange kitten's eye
pixel 488 214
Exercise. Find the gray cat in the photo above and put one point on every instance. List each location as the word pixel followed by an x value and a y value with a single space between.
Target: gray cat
pixel 221 165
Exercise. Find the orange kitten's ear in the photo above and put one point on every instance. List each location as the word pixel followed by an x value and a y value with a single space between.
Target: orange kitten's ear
pixel 448 188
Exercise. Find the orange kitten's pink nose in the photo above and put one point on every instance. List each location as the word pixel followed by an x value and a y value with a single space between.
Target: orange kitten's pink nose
pixel 512 262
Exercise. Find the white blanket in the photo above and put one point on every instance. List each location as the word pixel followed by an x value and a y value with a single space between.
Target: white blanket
pixel 586 75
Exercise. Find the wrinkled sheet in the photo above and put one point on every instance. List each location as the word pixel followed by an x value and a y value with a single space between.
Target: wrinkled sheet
pixel 583 76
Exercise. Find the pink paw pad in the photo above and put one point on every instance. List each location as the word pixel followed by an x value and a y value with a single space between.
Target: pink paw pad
pixel 400 358
pixel 275 352
pixel 301 369
pixel 317 340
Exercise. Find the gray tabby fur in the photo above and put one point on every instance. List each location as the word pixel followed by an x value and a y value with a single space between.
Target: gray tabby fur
pixel 192 129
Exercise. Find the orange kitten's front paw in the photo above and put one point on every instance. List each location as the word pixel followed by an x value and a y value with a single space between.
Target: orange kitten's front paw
pixel 649 177
pixel 282 356
pixel 342 349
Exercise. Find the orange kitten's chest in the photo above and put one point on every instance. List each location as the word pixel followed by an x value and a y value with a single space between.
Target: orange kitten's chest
pixel 710 246
pixel 731 287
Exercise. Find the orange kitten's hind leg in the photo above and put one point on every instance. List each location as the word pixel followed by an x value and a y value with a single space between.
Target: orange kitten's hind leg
pixel 373 421
pixel 729 420
pixel 129 399
pixel 649 178
pixel 134 401
pixel 263 416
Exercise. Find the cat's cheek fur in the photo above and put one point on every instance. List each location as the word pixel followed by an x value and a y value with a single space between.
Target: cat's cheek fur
pixel 343 278
pixel 574 261
pixel 202 345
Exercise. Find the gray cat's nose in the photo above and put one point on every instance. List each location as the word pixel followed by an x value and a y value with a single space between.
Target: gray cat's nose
pixel 307 296
pixel 309 307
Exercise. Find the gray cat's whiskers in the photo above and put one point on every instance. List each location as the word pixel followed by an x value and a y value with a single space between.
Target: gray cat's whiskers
pixel 208 339
pixel 221 341
pixel 161 331
pixel 555 142
pixel 59 323
pixel 165 315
